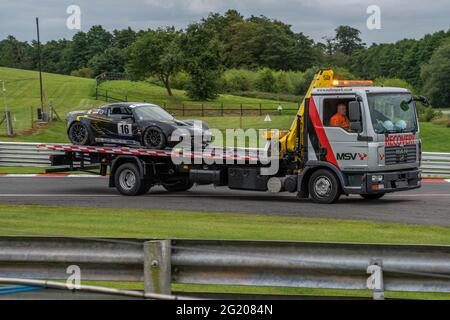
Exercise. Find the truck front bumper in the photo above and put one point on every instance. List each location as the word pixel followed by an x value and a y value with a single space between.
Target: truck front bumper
pixel 391 181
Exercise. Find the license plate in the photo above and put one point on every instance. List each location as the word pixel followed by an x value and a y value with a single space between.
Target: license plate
pixel 401 184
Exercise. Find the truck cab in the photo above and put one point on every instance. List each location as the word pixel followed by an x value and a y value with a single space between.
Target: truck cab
pixel 379 152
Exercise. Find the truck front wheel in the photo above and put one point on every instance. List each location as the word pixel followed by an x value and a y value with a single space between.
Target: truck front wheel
pixel 178 186
pixel 324 187
pixel 128 181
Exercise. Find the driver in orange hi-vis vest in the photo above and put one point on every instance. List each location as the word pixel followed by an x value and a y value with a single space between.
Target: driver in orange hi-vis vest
pixel 340 119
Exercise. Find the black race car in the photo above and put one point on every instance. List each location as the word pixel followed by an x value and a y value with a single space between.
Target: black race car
pixel 133 124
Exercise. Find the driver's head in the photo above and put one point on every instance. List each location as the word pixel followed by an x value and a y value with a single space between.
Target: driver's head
pixel 342 109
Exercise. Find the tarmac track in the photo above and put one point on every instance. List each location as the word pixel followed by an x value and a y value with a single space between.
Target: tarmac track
pixel 429 205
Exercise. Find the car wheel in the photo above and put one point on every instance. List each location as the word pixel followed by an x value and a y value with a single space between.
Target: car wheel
pixel 178 186
pixel 372 196
pixel 128 181
pixel 154 138
pixel 79 134
pixel 324 187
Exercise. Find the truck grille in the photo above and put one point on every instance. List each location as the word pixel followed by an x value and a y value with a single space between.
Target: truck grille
pixel 405 154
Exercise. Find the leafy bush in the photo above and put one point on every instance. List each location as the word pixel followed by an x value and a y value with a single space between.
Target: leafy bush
pixel 443 121
pixel 266 80
pixel 394 82
pixel 427 114
pixel 238 80
pixel 344 74
pixel 283 83
pixel 83 73
pixel 181 80
pixel 270 96
pixel 302 83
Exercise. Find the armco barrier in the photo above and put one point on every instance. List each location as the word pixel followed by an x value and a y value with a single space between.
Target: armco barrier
pixel 21 154
pixel 159 263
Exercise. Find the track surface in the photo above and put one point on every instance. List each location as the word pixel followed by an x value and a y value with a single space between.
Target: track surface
pixel 428 205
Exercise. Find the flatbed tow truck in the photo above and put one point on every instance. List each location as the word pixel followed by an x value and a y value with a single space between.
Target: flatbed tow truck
pixel 380 153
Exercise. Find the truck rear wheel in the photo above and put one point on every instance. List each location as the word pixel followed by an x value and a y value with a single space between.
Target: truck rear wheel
pixel 372 196
pixel 178 186
pixel 128 182
pixel 324 187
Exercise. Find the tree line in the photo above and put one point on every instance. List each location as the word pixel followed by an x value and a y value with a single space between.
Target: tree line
pixel 229 52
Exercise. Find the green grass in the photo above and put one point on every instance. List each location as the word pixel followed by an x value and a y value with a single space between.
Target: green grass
pixel 435 137
pixel 65 92
pixel 98 222
pixel 140 223
pixel 183 289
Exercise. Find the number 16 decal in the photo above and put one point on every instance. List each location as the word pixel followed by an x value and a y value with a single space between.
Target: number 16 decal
pixel 125 129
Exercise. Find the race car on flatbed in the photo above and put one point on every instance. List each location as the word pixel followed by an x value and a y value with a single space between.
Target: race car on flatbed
pixel 130 124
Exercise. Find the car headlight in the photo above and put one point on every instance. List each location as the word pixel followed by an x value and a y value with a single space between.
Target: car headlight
pixel 377 178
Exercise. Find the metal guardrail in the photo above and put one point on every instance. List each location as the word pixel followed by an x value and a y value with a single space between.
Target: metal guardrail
pixel 435 164
pixel 21 154
pixel 159 263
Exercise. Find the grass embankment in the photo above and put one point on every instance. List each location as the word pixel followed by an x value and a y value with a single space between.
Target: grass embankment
pixel 65 92
pixel 139 223
pixel 435 137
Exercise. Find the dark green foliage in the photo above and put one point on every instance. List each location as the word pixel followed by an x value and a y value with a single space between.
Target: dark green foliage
pixel 111 60
pixel 202 55
pixel 436 77
pixel 16 54
pixel 402 59
pixel 261 42
pixel 347 40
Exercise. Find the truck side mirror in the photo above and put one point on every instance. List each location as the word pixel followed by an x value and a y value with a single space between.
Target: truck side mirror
pixel 354 115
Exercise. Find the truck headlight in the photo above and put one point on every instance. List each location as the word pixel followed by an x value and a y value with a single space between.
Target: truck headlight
pixel 377 178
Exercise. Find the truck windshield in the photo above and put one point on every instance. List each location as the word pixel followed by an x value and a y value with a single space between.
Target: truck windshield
pixel 392 112
pixel 149 112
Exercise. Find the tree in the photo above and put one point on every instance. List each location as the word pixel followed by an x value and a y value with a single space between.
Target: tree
pixel 398 60
pixel 202 53
pixel 16 54
pixel 156 53
pixel 111 60
pixel 98 40
pixel 262 42
pixel 436 77
pixel 347 40
pixel 124 38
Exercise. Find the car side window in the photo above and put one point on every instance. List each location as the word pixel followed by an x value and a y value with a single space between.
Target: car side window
pixel 119 111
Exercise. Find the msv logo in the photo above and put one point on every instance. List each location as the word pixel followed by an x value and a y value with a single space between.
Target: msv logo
pixel 351 156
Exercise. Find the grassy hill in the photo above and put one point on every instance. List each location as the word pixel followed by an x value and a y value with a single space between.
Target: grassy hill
pixel 67 93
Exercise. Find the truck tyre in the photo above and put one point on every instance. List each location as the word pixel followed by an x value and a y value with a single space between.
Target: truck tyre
pixel 372 196
pixel 181 185
pixel 324 187
pixel 128 182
